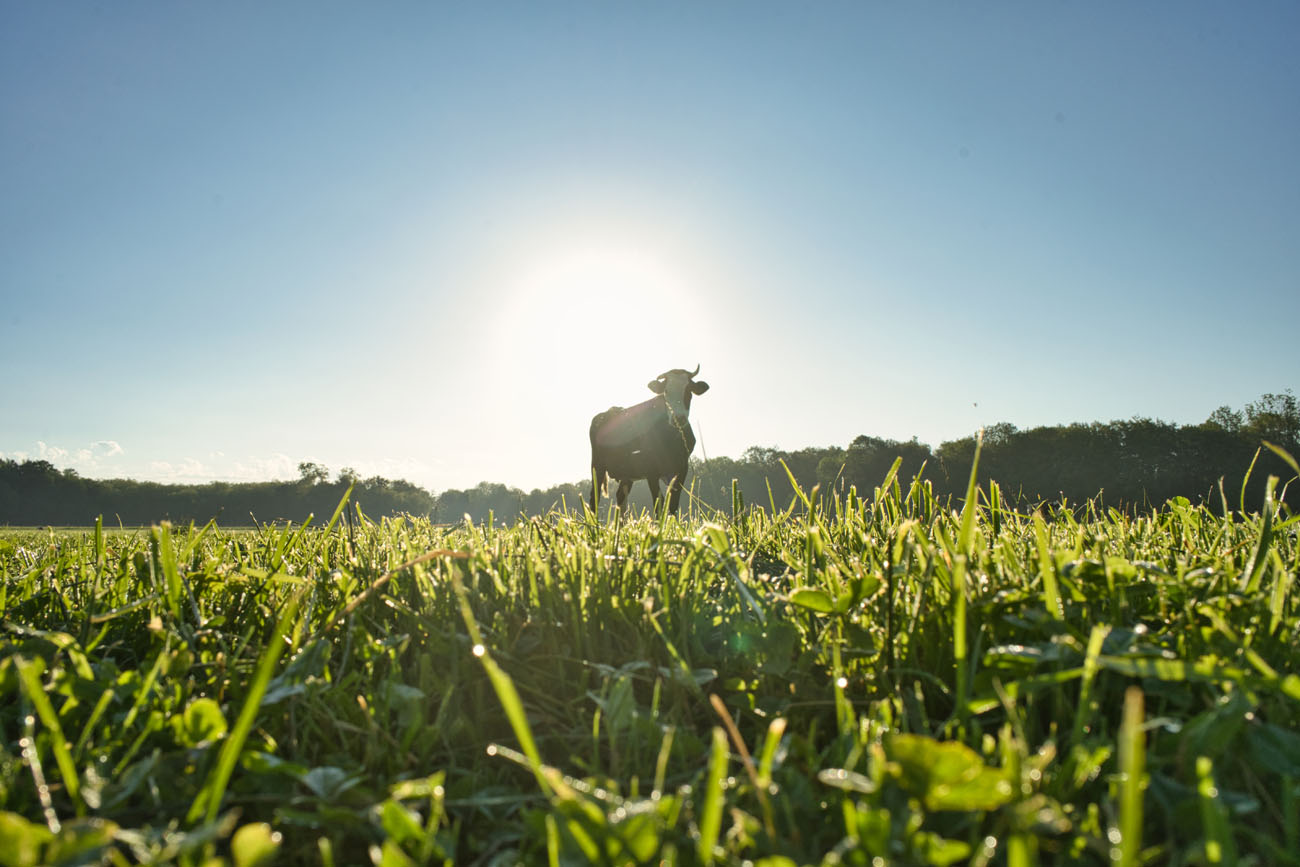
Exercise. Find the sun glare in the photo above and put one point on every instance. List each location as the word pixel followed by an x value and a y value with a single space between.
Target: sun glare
pixel 581 324
pixel 622 312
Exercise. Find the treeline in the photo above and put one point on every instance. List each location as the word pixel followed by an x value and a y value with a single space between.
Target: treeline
pixel 1130 464
pixel 35 493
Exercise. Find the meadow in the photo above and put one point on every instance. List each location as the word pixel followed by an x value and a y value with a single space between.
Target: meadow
pixel 879 677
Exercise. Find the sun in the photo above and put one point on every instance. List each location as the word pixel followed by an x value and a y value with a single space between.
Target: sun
pixel 622 311
pixel 577 322
pixel 594 286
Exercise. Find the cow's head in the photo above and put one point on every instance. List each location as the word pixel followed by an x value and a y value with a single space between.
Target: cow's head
pixel 677 386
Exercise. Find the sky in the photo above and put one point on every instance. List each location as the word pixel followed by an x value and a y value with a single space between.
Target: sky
pixel 430 242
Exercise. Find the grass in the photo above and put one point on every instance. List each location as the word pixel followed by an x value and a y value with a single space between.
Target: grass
pixel 880 679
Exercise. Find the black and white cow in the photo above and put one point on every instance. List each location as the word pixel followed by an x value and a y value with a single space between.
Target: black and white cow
pixel 652 440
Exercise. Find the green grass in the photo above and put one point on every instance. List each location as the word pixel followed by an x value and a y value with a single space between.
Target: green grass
pixel 873 679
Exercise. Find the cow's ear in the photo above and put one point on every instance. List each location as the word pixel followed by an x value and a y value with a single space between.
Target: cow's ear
pixel 699 387
pixel 656 385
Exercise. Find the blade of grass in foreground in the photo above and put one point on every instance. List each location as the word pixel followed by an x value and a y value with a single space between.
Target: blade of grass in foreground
pixel 711 809
pixel 1086 709
pixel 1284 455
pixel 1132 767
pixel 30 678
pixel 1047 569
pixel 506 694
pixel 966 541
pixel 208 801
pixel 965 545
pixel 162 542
pixel 1219 848
pixel 334 519
pixel 1255 566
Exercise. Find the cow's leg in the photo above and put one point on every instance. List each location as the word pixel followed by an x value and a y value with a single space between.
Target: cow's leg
pixel 654 492
pixel 623 489
pixel 675 492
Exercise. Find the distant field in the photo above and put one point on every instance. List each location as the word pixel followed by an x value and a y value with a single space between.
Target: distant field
pixel 874 679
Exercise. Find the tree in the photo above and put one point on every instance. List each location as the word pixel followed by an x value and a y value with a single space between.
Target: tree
pixel 313 473
pixel 1274 417
pixel 1000 433
pixel 1224 418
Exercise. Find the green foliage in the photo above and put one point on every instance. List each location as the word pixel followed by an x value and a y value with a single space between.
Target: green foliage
pixel 1129 464
pixel 34 493
pixel 839 678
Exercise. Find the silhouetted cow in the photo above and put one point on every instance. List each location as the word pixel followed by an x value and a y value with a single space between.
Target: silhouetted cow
pixel 652 440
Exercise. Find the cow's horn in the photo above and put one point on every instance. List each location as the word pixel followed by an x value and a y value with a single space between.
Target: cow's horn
pixel 697 370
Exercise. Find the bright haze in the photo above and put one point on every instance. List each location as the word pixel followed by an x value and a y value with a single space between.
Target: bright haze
pixel 430 243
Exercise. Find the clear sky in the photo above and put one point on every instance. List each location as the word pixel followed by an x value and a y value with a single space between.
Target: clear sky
pixel 430 242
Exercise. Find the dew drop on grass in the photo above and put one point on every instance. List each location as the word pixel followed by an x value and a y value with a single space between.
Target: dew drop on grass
pixel 479 650
pixel 841 681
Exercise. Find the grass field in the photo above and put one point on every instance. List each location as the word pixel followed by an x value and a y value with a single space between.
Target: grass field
pixel 875 679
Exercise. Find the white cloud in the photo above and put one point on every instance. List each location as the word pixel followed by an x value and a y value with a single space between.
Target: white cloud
pixel 50 453
pixel 95 459
pixel 395 468
pixel 188 470
pixel 218 466
pixel 277 466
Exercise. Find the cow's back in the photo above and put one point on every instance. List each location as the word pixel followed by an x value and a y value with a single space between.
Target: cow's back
pixel 642 442
pixel 601 420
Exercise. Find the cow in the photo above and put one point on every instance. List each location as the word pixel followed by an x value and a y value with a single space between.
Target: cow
pixel 652 440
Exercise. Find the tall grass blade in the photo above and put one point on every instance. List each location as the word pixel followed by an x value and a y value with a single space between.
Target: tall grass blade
pixel 959 633
pixel 712 800
pixel 334 518
pixel 504 687
pixel 207 803
pixel 794 484
pixel 1047 570
pixel 969 509
pixel 1084 712
pixel 162 538
pixel 891 475
pixel 1219 845
pixel 1255 565
pixel 965 548
pixel 1284 455
pixel 29 676
pixel 99 545
pixel 1245 480
pixel 1132 766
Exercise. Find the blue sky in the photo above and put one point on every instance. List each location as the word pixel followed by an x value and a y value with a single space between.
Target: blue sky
pixel 430 243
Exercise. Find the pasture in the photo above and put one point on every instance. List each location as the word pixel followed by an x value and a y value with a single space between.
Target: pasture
pixel 878 678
